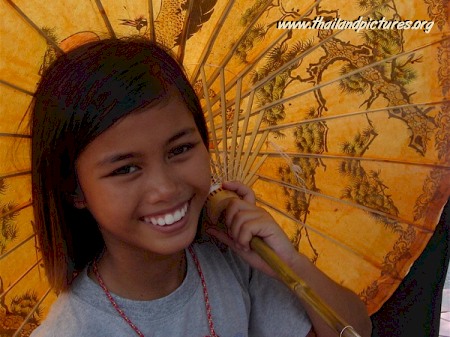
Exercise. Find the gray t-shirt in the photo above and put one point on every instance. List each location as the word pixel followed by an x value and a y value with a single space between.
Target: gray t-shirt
pixel 244 302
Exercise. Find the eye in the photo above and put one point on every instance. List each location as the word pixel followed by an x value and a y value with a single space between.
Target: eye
pixel 127 169
pixel 178 150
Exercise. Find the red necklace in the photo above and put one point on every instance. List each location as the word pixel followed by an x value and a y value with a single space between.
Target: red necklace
pixel 131 324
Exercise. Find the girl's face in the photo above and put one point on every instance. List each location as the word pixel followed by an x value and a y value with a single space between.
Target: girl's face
pixel 145 180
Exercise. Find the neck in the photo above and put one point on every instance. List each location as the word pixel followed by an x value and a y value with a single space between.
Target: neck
pixel 142 277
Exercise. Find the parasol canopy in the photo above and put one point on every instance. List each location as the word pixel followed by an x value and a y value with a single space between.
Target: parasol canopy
pixel 337 117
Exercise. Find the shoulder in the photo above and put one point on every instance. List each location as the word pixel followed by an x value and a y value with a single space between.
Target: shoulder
pixel 221 261
pixel 70 315
pixel 58 322
pixel 273 310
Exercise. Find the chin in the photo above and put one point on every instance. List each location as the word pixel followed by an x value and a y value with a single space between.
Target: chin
pixel 177 244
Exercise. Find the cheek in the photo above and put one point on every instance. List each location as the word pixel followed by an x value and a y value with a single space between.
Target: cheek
pixel 199 172
pixel 106 201
pixel 204 170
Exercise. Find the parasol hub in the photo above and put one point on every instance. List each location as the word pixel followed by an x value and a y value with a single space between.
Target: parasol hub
pixel 217 202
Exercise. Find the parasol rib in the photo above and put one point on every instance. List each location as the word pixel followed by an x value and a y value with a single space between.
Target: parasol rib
pixel 326 83
pixel 287 64
pixel 15 174
pixel 224 120
pixel 344 157
pixel 235 46
pixel 263 53
pixel 342 201
pixel 327 236
pixel 14 135
pixel 443 164
pixel 351 114
pixel 214 35
pixel 251 177
pixel 343 115
pixel 210 117
pixel 151 23
pixel 31 313
pixel 32 24
pixel 349 74
pixel 15 87
pixel 184 33
pixel 249 160
pixel 105 18
pixel 11 250
pixel 211 40
pixel 12 285
pixel 16 209
pixel 240 163
pixel 234 134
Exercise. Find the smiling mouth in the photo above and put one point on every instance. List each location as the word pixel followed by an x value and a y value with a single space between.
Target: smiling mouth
pixel 169 218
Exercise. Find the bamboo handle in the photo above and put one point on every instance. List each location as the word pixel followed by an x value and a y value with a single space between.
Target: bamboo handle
pixel 215 205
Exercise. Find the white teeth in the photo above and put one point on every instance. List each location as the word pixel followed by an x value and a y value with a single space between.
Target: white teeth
pixel 177 216
pixel 168 219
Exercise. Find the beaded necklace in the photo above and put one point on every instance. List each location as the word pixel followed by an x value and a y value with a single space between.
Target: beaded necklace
pixel 128 320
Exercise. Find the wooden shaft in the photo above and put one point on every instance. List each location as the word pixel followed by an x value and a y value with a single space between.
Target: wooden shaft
pixel 216 204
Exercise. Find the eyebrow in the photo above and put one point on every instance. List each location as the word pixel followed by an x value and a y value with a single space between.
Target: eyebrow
pixel 180 134
pixel 117 157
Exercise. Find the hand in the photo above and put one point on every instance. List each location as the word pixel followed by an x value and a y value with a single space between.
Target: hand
pixel 244 220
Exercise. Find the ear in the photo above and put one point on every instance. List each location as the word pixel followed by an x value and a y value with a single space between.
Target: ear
pixel 78 199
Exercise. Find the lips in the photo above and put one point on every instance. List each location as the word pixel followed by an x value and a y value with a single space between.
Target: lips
pixel 168 218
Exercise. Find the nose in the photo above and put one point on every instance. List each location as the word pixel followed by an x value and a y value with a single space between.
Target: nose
pixel 160 185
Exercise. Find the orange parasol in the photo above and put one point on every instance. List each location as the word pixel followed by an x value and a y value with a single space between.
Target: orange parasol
pixel 341 129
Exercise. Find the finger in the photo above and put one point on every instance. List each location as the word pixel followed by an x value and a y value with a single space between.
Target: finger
pixel 247 224
pixel 220 235
pixel 227 240
pixel 243 191
pixel 235 206
pixel 247 254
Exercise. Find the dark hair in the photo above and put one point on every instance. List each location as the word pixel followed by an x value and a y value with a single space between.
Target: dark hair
pixel 80 95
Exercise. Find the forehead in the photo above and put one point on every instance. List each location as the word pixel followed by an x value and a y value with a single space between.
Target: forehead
pixel 150 126
pixel 170 105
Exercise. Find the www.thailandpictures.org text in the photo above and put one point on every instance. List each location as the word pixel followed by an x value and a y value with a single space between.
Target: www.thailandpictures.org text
pixel 360 24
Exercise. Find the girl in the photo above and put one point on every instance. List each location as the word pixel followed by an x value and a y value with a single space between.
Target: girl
pixel 120 172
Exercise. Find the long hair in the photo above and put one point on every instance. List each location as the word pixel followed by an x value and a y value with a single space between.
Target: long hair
pixel 82 94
